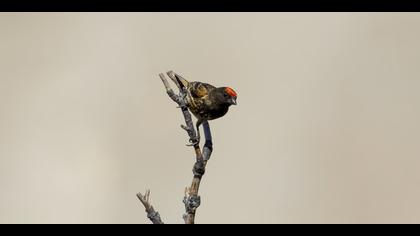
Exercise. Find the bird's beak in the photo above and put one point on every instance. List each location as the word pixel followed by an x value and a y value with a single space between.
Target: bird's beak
pixel 233 101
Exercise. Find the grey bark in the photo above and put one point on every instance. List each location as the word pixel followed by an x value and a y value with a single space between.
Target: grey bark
pixel 191 199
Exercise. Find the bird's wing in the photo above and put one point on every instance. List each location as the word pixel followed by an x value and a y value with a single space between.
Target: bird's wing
pixel 199 89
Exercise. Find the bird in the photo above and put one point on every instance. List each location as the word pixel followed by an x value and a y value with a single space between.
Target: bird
pixel 205 101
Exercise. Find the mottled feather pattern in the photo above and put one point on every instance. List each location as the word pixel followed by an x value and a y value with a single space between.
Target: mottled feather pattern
pixel 198 98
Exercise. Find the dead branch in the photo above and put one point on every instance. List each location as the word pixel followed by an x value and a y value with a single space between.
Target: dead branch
pixel 191 199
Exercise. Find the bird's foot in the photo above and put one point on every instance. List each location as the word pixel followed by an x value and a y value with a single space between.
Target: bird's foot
pixel 193 142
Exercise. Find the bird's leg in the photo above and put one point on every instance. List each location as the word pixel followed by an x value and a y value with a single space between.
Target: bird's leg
pixel 197 126
pixel 208 145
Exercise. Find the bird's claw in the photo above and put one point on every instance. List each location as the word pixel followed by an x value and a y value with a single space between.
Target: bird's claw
pixel 193 142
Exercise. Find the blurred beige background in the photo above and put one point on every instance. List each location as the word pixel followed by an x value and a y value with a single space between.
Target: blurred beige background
pixel 326 131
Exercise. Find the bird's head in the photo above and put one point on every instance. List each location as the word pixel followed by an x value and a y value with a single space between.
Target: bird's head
pixel 226 96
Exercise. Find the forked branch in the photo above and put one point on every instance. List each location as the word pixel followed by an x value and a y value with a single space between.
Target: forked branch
pixel 191 199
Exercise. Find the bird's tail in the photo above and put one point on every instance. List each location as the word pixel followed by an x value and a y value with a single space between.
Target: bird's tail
pixel 182 82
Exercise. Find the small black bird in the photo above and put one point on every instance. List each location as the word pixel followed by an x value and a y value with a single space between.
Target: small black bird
pixel 207 102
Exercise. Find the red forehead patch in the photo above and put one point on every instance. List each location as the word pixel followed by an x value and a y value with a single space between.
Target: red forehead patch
pixel 231 92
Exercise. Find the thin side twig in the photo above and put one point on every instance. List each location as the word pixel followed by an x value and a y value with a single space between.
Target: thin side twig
pixel 151 213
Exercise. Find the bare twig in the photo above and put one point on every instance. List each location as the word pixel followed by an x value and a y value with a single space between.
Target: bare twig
pixel 151 213
pixel 191 199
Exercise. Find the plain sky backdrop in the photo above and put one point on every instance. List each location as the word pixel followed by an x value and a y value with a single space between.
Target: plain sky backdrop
pixel 327 127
